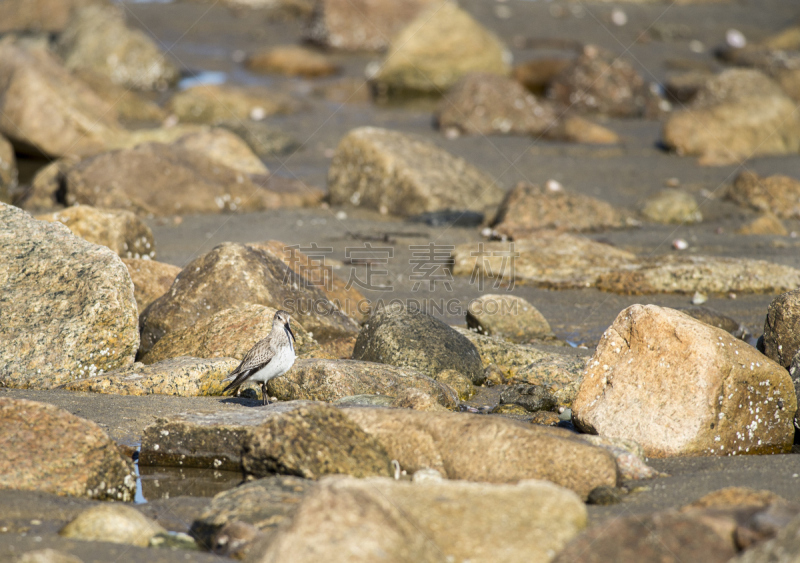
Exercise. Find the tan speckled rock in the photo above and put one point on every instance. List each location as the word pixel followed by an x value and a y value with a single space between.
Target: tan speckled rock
pixel 212 104
pixel 490 104
pixel 681 387
pixel 688 274
pixel 765 224
pixel 291 60
pixel 486 448
pixel 575 129
pixel 364 520
pixel 230 333
pixel 68 305
pixel 120 230
pixel 365 25
pixel 43 108
pixel 435 50
pixel 8 170
pixel 151 279
pixel 672 206
pixel 224 147
pixel 182 377
pixel 548 260
pixel 775 194
pixel 44 448
pixel 112 523
pixel 311 442
pixel 330 380
pixel 232 275
pixel 507 316
pixel 40 15
pixel 781 337
pixel 408 338
pixel 98 39
pixel 527 209
pixel 321 274
pixel 403 175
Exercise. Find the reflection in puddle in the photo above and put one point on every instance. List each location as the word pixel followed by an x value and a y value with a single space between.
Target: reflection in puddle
pixel 169 482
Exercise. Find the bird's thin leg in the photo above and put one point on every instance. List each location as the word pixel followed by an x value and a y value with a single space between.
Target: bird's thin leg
pixel 264 392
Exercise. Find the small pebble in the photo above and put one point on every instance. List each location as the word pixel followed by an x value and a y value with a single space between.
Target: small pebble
pixel 680 244
pixel 696 46
pixel 618 17
pixel 699 298
pixel 554 186
pixel 735 38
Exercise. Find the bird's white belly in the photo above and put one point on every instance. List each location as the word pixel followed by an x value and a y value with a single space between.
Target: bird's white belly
pixel 279 365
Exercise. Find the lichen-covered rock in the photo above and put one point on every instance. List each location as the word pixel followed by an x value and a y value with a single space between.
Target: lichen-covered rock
pixel 776 194
pixel 672 206
pixel 292 60
pixel 97 38
pixel 600 82
pixel 212 104
pixel 364 520
pixel 264 504
pixel 490 104
pixel 313 268
pixel 229 333
pixel 120 230
pixel 232 275
pixel 68 305
pixel 781 335
pixel 44 448
pixel 488 449
pixel 46 110
pixel 112 523
pixel 707 274
pixel 680 387
pixel 399 174
pixel 40 15
pixel 507 316
pixel 437 48
pixel 736 115
pixel 553 260
pixel 330 380
pixel 311 442
pixel 365 25
pixel 527 209
pixel 8 170
pixel 182 377
pixel 151 279
pixel 406 338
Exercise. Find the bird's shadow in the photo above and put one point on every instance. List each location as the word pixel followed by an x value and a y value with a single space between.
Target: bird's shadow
pixel 242 402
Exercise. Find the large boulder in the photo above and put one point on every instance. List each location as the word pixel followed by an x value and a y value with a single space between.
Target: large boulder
pixel 232 275
pixel 68 305
pixel 331 380
pixel 486 448
pixel 46 110
pixel 133 106
pixel 8 170
pixel 311 442
pixel 151 279
pixel 50 450
pixel 775 194
pixel 736 115
pixel 229 333
pixel 153 179
pixel 528 208
pixel 40 15
pixel 403 175
pixel 490 104
pixel 363 25
pixel 97 39
pixel 212 104
pixel 678 386
pixel 364 520
pixel 781 334
pixel 181 377
pixel 120 230
pixel 435 50
pixel 407 338
pixel 600 82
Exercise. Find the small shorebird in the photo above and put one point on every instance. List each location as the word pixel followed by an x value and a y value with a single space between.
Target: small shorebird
pixel 270 357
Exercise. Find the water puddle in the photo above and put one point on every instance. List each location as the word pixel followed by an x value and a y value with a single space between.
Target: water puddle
pixel 154 483
pixel 209 77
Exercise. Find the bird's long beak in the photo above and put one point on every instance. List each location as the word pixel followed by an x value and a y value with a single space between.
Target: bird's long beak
pixel 290 332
